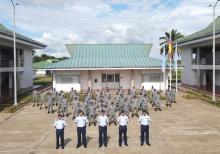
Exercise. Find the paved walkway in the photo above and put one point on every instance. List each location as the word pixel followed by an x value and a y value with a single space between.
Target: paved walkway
pixel 190 127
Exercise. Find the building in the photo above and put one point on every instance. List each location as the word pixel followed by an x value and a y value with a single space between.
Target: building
pixel 197 59
pixel 24 47
pixel 39 67
pixel 98 66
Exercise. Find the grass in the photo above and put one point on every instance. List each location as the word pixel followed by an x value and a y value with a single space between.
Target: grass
pixel 43 80
pixel 22 101
pixel 202 96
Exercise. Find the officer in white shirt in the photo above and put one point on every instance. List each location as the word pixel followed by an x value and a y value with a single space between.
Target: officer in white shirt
pixel 103 121
pixel 123 121
pixel 59 124
pixel 81 122
pixel 144 121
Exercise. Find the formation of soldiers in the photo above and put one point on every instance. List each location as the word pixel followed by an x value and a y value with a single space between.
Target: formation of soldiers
pixel 131 102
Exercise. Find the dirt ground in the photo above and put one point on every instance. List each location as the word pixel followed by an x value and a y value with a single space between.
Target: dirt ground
pixel 189 127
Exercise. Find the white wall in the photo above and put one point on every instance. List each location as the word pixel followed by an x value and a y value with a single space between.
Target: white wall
pixel 66 87
pixel 26 76
pixel 125 79
pixel 157 85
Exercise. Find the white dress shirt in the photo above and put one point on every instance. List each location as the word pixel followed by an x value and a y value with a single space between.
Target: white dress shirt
pixel 59 124
pixel 81 121
pixel 144 120
pixel 103 120
pixel 123 120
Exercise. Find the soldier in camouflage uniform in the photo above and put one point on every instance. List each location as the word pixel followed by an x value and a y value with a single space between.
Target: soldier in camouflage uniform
pixel 168 97
pixel 75 107
pixel 134 107
pixel 35 97
pixel 92 113
pixel 157 102
pixel 111 114
pixel 173 95
pixel 43 100
pixel 65 106
pixel 145 103
pixel 50 103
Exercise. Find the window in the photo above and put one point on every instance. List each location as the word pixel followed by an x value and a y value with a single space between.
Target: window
pixel 117 78
pixel 103 77
pixel 110 78
pixel 68 79
pixel 153 77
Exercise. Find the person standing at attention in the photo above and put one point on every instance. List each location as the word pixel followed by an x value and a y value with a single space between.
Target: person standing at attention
pixel 81 122
pixel 144 121
pixel 103 121
pixel 123 121
pixel 59 124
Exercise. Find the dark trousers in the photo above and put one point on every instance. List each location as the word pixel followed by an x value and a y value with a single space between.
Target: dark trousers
pixel 103 135
pixel 81 133
pixel 60 135
pixel 144 132
pixel 122 131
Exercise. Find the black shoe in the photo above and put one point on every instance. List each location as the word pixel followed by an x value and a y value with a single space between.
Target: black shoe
pixel 85 146
pixel 105 145
pixel 142 144
pixel 148 144
pixel 62 147
pixel 57 147
pixel 78 146
pixel 100 146
pixel 126 144
pixel 89 123
pixel 120 145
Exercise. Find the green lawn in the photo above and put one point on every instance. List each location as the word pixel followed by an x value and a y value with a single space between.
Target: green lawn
pixel 43 80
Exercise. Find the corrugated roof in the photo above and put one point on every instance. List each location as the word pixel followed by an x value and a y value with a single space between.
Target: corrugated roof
pixel 108 56
pixel 41 64
pixel 208 31
pixel 7 32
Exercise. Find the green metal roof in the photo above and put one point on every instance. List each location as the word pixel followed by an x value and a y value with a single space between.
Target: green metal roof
pixel 208 31
pixel 7 32
pixel 41 64
pixel 108 56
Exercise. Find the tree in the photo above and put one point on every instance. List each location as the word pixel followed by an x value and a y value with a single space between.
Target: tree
pixel 175 35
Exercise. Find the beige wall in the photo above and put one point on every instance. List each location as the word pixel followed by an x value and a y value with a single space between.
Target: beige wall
pixel 126 78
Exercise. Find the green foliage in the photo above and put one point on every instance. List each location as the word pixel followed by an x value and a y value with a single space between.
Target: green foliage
pixel 45 57
pixel 43 80
pixel 175 35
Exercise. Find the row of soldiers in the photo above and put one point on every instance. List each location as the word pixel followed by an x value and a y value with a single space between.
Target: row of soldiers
pixel 129 102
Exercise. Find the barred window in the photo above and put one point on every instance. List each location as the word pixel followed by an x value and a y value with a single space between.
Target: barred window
pixel 68 79
pixel 152 77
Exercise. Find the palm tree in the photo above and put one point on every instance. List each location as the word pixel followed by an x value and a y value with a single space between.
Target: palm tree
pixel 175 35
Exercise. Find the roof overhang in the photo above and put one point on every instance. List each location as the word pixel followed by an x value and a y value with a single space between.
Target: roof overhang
pixel 84 69
pixel 206 40
pixel 31 43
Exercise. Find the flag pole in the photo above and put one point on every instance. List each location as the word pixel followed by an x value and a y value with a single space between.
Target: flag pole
pixel 170 72
pixel 164 69
pixel 176 67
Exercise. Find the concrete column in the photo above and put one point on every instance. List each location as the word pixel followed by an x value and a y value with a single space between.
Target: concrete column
pixel 54 79
pixel 204 78
pixel 132 79
pixel 90 79
pixel 198 56
pixel 198 78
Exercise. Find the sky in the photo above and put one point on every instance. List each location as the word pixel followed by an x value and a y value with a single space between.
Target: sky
pixel 58 22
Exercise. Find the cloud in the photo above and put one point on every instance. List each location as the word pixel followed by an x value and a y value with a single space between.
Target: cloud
pixel 96 21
